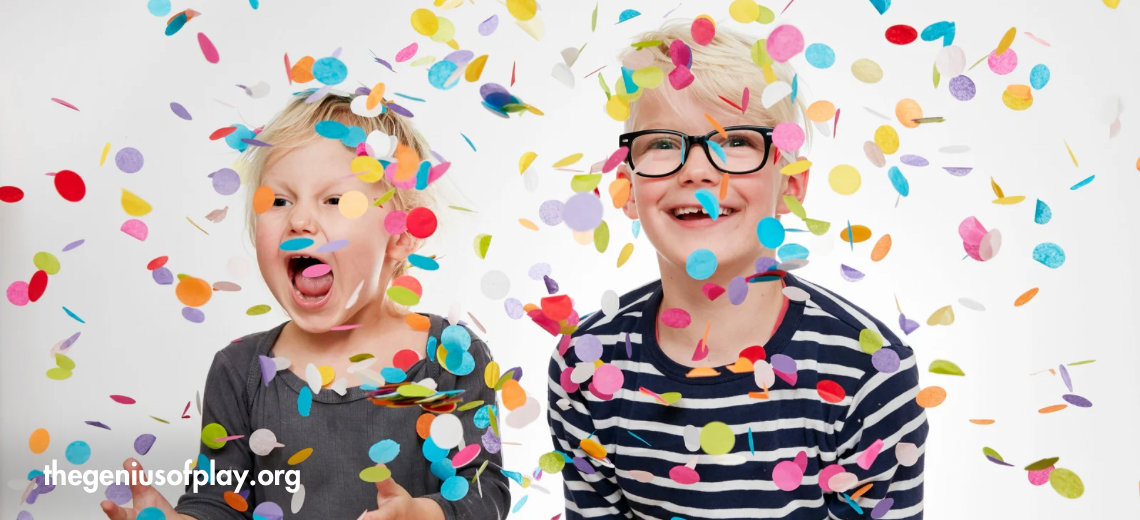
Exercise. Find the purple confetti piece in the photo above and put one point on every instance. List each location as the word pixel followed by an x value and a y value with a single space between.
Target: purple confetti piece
pixel 487 89
pixel 439 158
pixel 335 245
pixel 737 290
pixel 129 160
pixel 70 341
pixel 268 511
pixel 906 325
pixel 514 308
pixel 880 510
pixel 962 88
pixel 143 443
pixel 318 94
pixel 1076 400
pixel 489 25
pixel 98 424
pixel 268 369
pixel 226 181
pixel 384 63
pixel 550 212
pixel 24 515
pixel 1065 377
pixel 73 245
pixel 255 142
pixel 539 271
pixel 914 160
pixel 193 315
pixel 551 285
pixel 765 263
pixel 583 212
pixel 118 493
pixel 244 494
pixel 516 373
pixel 957 172
pixel 628 347
pixel 996 461
pixel 362 91
pixel 783 363
pixel 162 276
pixel 850 273
pixel 180 111
pixel 588 348
pixel 400 110
pixel 336 53
pixel 460 57
pixel 491 442
pixel 583 466
pixel 885 360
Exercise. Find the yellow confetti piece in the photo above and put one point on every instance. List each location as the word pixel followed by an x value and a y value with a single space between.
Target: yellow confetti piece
pixel 475 69
pixel 528 224
pixel 300 456
pixel 769 74
pixel 844 179
pixel 866 71
pixel 617 108
pixel 353 204
pixel 196 225
pixel 1074 157
pixel 375 96
pixel 626 252
pixel 744 11
pixel 491 374
pixel 716 125
pixel 1006 41
pixel 1017 97
pixel 796 168
pixel 327 374
pixel 943 316
pixel 887 139
pixel 568 160
pixel 425 22
pixel 648 77
pixel 1111 4
pixel 997 189
pixel 134 205
pixel 368 168
pixel 525 160
pixel 106 148
pixel 1009 201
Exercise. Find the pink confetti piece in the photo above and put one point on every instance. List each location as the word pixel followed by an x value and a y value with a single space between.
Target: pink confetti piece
pixel 208 49
pixel 787 475
pixel 703 31
pixel 346 327
pixel 316 270
pixel 65 103
pixel 785 42
pixel 406 53
pixel 395 222
pixel 465 456
pixel 135 228
pixel 868 457
pixel 676 318
pixel 680 77
pixel 230 438
pixel 122 399
pixel 1038 40
pixel 744 101
pixel 615 159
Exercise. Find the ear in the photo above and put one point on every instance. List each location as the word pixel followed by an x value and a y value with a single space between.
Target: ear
pixel 630 207
pixel 400 246
pixel 794 185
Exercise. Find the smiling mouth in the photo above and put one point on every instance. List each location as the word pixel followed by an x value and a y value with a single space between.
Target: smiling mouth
pixel 312 279
pixel 698 213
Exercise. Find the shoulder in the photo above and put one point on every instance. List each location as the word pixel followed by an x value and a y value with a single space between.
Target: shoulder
pixel 607 330
pixel 444 334
pixel 243 352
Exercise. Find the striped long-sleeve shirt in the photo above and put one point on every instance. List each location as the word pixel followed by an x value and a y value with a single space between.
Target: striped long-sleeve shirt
pixel 831 401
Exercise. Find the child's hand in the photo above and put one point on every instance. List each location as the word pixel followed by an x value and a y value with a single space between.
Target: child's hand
pixel 142 498
pixel 396 504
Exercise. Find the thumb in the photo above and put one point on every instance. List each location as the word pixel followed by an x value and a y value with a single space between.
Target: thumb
pixel 114 512
pixel 387 489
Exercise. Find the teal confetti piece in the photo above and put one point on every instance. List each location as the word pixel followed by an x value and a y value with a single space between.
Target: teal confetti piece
pixel 850 235
pixel 718 150
pixel 521 502
pixel 469 143
pixel 852 503
pixel 708 200
pixel 639 438
pixel 1083 182
pixel 405 96
pixel 304 401
pixel 1043 213
pixel 72 314
pixel 795 86
pixel 628 14
pixel 751 443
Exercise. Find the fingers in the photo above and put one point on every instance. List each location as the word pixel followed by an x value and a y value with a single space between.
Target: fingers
pixel 139 492
pixel 387 489
pixel 114 512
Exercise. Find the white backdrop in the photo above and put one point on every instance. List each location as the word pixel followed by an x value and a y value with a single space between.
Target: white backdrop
pixel 112 60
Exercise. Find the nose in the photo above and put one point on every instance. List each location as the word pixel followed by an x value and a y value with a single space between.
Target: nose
pixel 302 221
pixel 697 169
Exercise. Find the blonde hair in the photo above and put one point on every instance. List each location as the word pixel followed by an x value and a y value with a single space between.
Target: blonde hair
pixel 724 67
pixel 293 128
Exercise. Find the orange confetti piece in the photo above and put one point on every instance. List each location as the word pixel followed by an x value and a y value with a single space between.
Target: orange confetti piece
pixel 407 162
pixel 716 125
pixel 375 96
pixel 1025 297
pixel 882 247
pixel 423 425
pixel 930 396
pixel 303 70
pixel 530 307
pixel 1054 408
pixel 418 321
pixel 513 394
pixel 193 292
pixel 982 421
pixel 528 224
pixel 235 501
pixel 262 199
pixel 723 187
pixel 861 234
pixel 703 372
pixel 860 492
pixel 300 456
pixel 619 192
pixel 742 366
pixel 592 448
pixel 39 441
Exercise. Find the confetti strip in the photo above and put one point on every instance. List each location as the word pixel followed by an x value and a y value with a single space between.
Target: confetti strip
pixel 196 225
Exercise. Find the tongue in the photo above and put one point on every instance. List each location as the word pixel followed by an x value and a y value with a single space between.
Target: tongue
pixel 315 286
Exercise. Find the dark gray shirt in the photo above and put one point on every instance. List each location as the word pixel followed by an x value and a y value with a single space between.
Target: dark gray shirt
pixel 340 430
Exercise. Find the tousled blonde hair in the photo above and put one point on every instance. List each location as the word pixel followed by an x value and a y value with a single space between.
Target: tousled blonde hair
pixel 293 128
pixel 724 67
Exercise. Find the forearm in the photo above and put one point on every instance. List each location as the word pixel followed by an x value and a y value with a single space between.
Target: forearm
pixel 427 509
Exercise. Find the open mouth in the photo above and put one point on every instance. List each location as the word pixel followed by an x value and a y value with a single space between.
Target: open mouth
pixel 312 279
pixel 690 213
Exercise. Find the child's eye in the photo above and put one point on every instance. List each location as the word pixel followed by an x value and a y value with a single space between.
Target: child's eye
pixel 278 201
pixel 662 144
pixel 333 200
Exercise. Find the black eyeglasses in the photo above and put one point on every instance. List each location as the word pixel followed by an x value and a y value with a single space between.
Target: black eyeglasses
pixel 661 153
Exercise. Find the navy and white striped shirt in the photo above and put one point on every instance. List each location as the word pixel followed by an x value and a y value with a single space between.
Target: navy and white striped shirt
pixel 644 439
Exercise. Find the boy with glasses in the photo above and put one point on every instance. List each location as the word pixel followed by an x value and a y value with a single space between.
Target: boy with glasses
pixel 744 391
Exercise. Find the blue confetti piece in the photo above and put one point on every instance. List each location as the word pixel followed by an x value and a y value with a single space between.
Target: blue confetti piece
pixel 440 72
pixel 422 175
pixel 707 199
pixel 405 96
pixel 426 263
pixel 151 513
pixel 1039 76
pixel 934 31
pixel 393 375
pixel 513 475
pixel 820 56
pixel 795 86
pixel 719 151
pixel 432 452
pixel 701 264
pixel 751 443
pixel 1083 182
pixel 77 452
pixel 443 469
pixel 898 181
pixel 203 464
pixel 791 252
pixel 466 365
pixel 384 451
pixel 295 244
pixel 455 338
pixel 254 4
pixel 176 24
pixel 1049 254
pixel 454 488
pixel 330 71
pixel 519 504
pixel 852 503
pixel 881 5
pixel 355 136
pixel 1043 214
pixel 482 418
pixel 628 14
pixel 636 228
pixel 304 401
pixel 771 232
pixel 469 143
pixel 369 387
pixel 234 140
pixel 431 347
pixel 639 438
pixel 850 235
pixel 330 129
pixel 627 78
pixel 34 473
pixel 158 7
pixel 72 314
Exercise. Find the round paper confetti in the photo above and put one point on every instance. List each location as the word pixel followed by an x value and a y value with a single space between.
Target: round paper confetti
pixel 844 179
pixel 583 212
pixel 866 71
pixel 77 452
pixel 787 475
pixel 820 56
pixel 1003 64
pixel 454 488
pixel 1065 482
pixel 788 136
pixel 129 160
pixel 701 264
pixel 495 285
pixel 1049 254
pixel 717 438
pixel 784 42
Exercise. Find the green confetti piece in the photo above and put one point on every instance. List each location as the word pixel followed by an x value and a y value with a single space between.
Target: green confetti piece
pixel 386 196
pixel 602 237
pixel 403 296
pixel 1066 483
pixel 64 362
pixel 1085 362
pixel 937 76
pixel 468 406
pixel 941 366
pixel 817 227
pixel 258 310
pixel 594 18
pixel 795 207
pixel 1042 464
pixel 870 341
pixel 992 453
pixel 552 462
pixel 214 431
pixel 461 208
pixel 360 357
pixel 646 44
pixel 586 182
pixel 375 474
pixel 605 88
pixel 163 421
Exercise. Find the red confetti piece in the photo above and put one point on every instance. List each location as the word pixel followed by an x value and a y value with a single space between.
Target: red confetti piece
pixel 744 101
pixel 208 49
pixel 730 103
pixel 754 353
pixel 156 263
pixel 595 72
pixel 421 222
pixel 222 132
pixel 836 126
pixel 288 69
pixel 901 34
pixel 38 285
pixel 513 64
pixel 404 359
pixel 65 103
pixel 122 399
pixel 184 410
pixel 703 31
pixel 830 391
pixel 557 308
pixel 70 186
pixel 11 194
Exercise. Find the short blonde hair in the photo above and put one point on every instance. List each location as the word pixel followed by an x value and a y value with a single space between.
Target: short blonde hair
pixel 293 128
pixel 724 67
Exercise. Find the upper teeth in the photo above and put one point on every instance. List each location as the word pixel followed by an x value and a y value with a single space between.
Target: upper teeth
pixel 685 211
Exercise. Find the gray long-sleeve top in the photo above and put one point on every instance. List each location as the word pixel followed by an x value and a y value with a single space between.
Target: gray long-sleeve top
pixel 340 430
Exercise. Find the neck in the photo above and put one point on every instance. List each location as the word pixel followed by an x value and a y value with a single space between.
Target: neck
pixel 731 327
pixel 375 322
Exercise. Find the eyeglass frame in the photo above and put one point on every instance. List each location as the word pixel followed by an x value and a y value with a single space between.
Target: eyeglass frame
pixel 688 141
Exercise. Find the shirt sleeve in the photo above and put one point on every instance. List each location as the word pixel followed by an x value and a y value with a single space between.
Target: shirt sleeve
pixel 224 402
pixel 490 497
pixel 882 414
pixel 589 494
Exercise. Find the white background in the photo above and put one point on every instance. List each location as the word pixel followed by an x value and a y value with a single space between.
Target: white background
pixel 113 61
